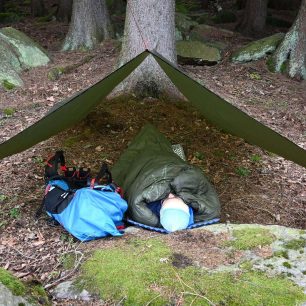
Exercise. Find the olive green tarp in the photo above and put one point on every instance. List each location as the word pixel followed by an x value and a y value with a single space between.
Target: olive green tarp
pixel 214 108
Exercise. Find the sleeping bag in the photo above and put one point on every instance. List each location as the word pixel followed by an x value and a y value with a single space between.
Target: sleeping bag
pixel 149 170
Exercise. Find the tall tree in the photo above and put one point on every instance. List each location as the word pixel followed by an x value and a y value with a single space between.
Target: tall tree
pixel 149 25
pixel 90 24
pixel 254 19
pixel 64 10
pixel 37 8
pixel 293 48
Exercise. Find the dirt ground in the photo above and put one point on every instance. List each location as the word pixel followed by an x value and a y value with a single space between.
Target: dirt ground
pixel 254 186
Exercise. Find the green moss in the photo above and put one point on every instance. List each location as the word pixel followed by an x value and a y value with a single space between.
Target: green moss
pixel 281 253
pixel 8 85
pixel 295 244
pixel 55 73
pixel 246 265
pixel 12 283
pixel 287 264
pixel 8 112
pixel 242 171
pixel 250 238
pixel 257 49
pixel 270 64
pixel 140 273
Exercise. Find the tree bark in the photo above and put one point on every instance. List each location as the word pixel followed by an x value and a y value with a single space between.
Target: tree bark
pixel 64 11
pixel 90 24
pixel 37 8
pixel 292 49
pixel 254 18
pixel 149 25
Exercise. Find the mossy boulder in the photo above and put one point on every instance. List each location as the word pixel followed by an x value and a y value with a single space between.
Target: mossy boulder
pixel 9 65
pixel 29 53
pixel 197 53
pixel 257 49
pixel 204 32
pixel 15 292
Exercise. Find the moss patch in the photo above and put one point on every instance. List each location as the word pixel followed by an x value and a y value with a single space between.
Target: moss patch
pixel 250 238
pixel 32 291
pixel 141 272
pixel 8 85
pixel 295 244
pixel 12 283
pixel 257 49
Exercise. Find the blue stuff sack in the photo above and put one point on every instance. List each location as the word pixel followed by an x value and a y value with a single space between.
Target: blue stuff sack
pixel 87 213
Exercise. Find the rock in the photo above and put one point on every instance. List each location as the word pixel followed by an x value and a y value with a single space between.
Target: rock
pixel 197 53
pixel 10 299
pixel 68 290
pixel 29 53
pixel 10 65
pixel 204 33
pixel 178 34
pixel 257 49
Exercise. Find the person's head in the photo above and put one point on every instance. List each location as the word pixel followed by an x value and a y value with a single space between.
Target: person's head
pixel 174 214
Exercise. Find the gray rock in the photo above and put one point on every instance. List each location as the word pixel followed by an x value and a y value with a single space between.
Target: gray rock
pixel 197 53
pixel 184 24
pixel 132 230
pixel 257 49
pixel 204 33
pixel 10 65
pixel 29 53
pixel 68 290
pixel 7 298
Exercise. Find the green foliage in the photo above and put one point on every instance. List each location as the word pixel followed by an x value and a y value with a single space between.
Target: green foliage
pixel 225 16
pixel 181 8
pixel 15 212
pixel 55 73
pixel 8 112
pixel 242 171
pixel 141 272
pixel 270 64
pixel 3 197
pixel 199 155
pixel 250 238
pixel 255 158
pixel 295 244
pixel 281 253
pixel 287 264
pixel 255 76
pixel 12 283
pixel 38 160
pixel 8 85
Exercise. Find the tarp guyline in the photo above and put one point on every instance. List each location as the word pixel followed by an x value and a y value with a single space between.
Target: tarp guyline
pixel 214 108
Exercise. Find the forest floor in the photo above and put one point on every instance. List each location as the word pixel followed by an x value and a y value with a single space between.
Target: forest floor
pixel 254 186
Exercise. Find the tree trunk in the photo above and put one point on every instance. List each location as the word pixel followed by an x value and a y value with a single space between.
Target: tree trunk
pixel 293 48
pixel 254 18
pixel 90 24
pixel 149 25
pixel 37 8
pixel 64 11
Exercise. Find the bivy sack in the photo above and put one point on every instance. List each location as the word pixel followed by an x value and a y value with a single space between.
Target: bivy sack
pixel 89 212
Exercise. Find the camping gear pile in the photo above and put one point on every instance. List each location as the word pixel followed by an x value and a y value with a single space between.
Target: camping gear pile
pixel 88 208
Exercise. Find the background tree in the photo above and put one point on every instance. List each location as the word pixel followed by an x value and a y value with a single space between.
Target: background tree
pixel 254 18
pixel 90 24
pixel 149 25
pixel 37 8
pixel 292 49
pixel 64 10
